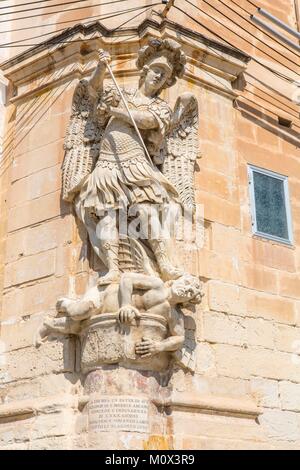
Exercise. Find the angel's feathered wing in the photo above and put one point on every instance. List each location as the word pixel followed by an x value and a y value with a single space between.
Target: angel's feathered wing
pixel 82 141
pixel 182 148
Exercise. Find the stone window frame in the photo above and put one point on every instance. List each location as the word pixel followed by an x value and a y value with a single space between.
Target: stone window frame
pixel 287 241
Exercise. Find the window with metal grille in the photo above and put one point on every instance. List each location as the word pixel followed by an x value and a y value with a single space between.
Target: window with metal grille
pixel 270 207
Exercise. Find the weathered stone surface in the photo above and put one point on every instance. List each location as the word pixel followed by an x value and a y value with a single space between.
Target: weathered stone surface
pixel 289 396
pixel 34 186
pixel 248 324
pixel 19 435
pixel 36 298
pixel 36 211
pixel 281 425
pixel 226 298
pixel 30 268
pixel 38 432
pixel 54 356
pixel 20 334
pixel 244 362
pixel 218 328
pixel 54 424
pixel 266 392
pixel 207 443
pixel 270 307
pixel 218 427
pixel 38 239
pixel 287 338
pixel 51 442
pixel 259 332
pixel 206 362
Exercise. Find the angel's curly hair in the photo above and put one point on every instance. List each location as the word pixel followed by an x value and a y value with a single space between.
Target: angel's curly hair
pixel 162 47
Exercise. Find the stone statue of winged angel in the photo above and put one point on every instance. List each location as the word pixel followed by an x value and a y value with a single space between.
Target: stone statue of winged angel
pixel 119 162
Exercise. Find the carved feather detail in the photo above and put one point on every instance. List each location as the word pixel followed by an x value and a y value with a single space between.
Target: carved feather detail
pixel 182 148
pixel 83 138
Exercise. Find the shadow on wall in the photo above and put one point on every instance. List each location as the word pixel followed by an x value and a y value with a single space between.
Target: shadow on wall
pixel 268 123
pixel 29 117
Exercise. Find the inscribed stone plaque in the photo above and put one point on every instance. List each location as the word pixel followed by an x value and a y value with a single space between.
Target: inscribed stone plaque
pixel 123 413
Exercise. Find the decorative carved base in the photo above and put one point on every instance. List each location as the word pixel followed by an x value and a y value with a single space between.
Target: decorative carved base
pixel 105 341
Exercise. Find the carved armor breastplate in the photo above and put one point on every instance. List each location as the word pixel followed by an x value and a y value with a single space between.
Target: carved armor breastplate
pixel 119 138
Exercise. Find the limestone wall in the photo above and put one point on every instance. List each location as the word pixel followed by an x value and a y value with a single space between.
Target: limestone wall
pixel 245 392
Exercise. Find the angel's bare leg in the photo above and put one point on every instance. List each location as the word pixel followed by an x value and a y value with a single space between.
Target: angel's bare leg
pixel 109 243
pixel 90 224
pixel 158 245
pixel 104 240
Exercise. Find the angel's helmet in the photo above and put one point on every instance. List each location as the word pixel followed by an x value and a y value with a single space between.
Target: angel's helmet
pixel 186 289
pixel 163 53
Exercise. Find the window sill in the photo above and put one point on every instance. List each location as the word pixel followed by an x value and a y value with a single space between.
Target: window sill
pixel 273 240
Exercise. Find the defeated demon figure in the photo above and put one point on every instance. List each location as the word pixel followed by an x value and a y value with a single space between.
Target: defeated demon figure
pixel 135 295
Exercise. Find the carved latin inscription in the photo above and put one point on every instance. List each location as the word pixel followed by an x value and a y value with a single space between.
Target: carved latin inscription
pixel 122 413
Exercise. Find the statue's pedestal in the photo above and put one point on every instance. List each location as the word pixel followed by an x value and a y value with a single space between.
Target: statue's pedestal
pixel 123 410
pixel 105 341
pixel 123 393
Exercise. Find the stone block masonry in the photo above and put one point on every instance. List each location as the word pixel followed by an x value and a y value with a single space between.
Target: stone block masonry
pixel 244 392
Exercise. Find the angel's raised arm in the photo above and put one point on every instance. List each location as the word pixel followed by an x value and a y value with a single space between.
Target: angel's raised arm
pixel 96 80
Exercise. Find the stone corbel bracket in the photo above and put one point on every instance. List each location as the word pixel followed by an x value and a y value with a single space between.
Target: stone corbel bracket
pixel 73 55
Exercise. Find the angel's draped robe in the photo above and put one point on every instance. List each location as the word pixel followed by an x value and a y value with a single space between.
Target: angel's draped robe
pixel 123 176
